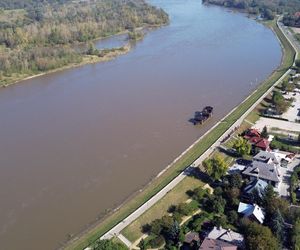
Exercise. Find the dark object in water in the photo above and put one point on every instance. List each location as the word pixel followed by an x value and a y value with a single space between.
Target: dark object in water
pixel 201 116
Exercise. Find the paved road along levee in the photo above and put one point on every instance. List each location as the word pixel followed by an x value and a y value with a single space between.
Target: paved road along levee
pixel 115 231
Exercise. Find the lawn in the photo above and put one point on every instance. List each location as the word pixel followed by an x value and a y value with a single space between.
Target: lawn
pixel 174 197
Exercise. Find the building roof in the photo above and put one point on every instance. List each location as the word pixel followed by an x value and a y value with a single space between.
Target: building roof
pixel 254 139
pixel 191 236
pixel 263 171
pixel 249 210
pixel 263 144
pixel 236 168
pixel 252 133
pixel 219 233
pixel 267 157
pixel 211 244
pixel 258 185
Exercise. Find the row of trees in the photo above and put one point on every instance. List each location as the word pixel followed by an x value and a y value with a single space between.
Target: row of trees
pixel 267 8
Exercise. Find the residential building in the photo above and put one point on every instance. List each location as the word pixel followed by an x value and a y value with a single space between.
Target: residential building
pixel 211 244
pixel 263 171
pixel 253 212
pixel 219 233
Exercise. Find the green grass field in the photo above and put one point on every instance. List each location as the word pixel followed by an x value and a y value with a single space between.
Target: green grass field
pixel 156 185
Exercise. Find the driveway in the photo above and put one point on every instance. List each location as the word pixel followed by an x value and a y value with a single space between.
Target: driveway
pixel 284 185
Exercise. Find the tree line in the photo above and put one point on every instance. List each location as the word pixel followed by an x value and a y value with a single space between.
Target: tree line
pixel 266 8
pixel 42 35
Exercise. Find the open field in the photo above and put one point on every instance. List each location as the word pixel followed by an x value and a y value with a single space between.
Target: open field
pixel 189 157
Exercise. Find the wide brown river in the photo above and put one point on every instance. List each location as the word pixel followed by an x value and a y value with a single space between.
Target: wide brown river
pixel 78 142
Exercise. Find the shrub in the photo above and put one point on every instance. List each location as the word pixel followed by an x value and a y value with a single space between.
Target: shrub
pixel 156 241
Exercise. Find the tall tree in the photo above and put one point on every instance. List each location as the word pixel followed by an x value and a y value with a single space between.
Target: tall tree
pixel 242 146
pixel 215 167
pixel 259 237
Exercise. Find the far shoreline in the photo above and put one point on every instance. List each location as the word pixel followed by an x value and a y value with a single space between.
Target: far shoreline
pixel 88 59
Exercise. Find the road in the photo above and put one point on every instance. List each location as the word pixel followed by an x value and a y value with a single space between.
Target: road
pixel 116 230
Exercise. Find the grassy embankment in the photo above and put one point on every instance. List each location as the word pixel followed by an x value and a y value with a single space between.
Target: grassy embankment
pixel 157 184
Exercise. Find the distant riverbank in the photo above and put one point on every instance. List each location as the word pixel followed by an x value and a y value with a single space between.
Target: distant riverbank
pixel 109 54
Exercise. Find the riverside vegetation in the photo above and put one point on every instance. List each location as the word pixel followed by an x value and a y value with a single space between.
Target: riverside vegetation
pixel 40 36
pixel 266 8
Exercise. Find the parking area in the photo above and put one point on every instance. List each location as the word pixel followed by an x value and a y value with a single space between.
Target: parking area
pixel 274 123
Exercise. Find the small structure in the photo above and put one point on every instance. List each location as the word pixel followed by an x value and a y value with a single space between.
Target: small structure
pixel 262 144
pixel 258 186
pixel 263 171
pixel 236 168
pixel 253 212
pixel 211 244
pixel 267 157
pixel 227 235
pixel 278 158
pixel 254 137
pixel 192 239
pixel 201 116
pixel 250 133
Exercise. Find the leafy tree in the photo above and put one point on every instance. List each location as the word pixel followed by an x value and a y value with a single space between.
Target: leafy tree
pixel 259 237
pixel 156 241
pixel 264 132
pixel 174 233
pixel 142 245
pixel 232 217
pixel 220 220
pixel 199 193
pixel 108 245
pixel 187 208
pixel 280 103
pixel 215 167
pixel 235 180
pixel 156 227
pixel 232 195
pixel 215 204
pixel 272 203
pixel 277 226
pixel 295 238
pixel 242 146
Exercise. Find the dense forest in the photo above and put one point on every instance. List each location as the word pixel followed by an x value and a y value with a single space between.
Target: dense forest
pixel 39 35
pixel 266 8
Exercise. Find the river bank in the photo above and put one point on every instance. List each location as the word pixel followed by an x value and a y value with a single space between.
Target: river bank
pixel 193 152
pixel 86 59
